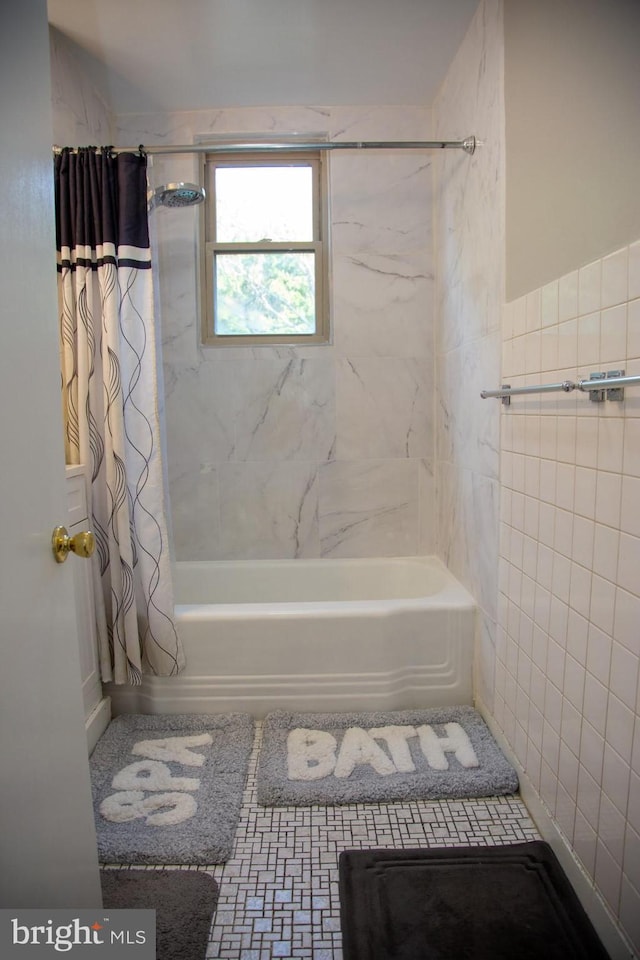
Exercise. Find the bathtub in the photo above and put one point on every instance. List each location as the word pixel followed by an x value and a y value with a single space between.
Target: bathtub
pixel 329 635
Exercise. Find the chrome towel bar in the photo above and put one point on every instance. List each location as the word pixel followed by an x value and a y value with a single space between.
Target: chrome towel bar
pixel 613 386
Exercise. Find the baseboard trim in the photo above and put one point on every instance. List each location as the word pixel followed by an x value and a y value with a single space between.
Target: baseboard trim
pixel 97 722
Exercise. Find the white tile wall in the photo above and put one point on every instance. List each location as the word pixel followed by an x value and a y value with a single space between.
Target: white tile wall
pixel 558 664
pixel 571 619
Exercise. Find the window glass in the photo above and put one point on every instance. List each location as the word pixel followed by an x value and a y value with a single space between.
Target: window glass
pixel 264 250
pixel 263 203
pixel 264 293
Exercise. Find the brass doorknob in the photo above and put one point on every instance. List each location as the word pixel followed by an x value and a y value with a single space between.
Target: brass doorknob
pixel 82 544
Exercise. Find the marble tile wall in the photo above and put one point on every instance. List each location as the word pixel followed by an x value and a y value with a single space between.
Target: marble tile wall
pixel 568 641
pixel 325 450
pixel 469 245
pixel 80 113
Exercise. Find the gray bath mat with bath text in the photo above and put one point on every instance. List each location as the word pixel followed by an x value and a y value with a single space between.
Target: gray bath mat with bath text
pixel 325 758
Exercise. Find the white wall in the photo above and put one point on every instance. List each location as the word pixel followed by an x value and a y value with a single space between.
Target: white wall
pixel 307 451
pixel 573 131
pixel 559 649
pixel 568 646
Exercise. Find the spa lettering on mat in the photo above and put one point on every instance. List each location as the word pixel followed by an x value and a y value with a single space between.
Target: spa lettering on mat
pixel 147 788
pixel 314 754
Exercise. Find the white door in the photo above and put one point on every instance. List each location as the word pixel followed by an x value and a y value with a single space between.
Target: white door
pixel 48 853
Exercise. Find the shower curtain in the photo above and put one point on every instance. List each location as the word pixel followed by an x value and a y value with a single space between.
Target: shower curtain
pixel 109 396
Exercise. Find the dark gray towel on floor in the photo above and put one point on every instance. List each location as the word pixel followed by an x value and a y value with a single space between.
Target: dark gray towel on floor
pixel 184 901
pixel 509 902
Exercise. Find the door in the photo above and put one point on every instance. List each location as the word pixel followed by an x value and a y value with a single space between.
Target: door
pixel 48 852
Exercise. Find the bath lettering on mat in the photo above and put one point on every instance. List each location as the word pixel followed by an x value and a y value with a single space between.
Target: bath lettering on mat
pixel 315 754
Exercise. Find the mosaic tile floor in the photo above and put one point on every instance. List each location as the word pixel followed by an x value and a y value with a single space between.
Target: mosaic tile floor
pixel 279 891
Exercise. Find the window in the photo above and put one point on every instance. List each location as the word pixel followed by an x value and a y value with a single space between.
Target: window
pixel 265 249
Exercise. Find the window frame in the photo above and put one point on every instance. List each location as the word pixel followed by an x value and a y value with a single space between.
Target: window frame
pixel 210 246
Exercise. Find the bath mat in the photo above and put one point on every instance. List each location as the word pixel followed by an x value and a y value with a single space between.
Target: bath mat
pixel 184 901
pixel 168 789
pixel 462 903
pixel 323 758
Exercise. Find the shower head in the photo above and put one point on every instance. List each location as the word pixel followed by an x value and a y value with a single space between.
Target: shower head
pixel 177 195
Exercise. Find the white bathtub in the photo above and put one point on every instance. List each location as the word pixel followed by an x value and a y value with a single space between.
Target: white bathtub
pixel 315 635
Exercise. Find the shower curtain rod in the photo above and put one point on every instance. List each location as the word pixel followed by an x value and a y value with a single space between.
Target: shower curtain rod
pixel 468 145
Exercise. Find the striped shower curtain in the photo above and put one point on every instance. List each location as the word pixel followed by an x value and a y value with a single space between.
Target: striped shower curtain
pixel 109 395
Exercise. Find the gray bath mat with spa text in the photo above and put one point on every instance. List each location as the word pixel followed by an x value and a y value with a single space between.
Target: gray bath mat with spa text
pixel 168 789
pixel 325 758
